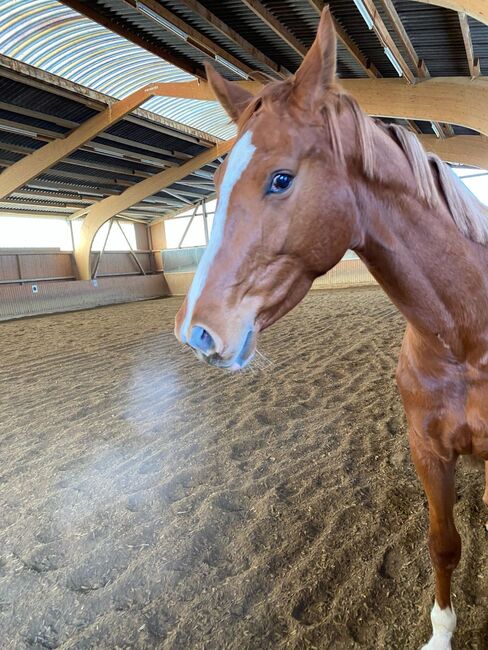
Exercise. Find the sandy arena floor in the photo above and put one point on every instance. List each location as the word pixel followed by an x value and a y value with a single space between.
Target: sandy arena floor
pixel 147 501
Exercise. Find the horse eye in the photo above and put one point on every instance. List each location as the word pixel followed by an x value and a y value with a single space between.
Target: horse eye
pixel 280 182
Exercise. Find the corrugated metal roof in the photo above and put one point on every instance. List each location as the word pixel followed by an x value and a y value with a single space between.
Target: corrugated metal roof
pixel 436 36
pixel 53 37
pixel 214 34
pixel 302 20
pixel 237 16
pixel 116 159
pixel 19 94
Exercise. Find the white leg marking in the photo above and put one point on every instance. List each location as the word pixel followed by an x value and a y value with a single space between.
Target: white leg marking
pixel 443 626
pixel 239 159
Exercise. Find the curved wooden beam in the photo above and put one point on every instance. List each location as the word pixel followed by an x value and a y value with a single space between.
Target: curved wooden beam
pixel 41 159
pixel 456 100
pixel 98 213
pixel 477 9
pixel 463 149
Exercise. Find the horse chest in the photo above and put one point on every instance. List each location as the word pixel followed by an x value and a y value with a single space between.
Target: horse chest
pixel 476 411
pixel 460 421
pixel 453 413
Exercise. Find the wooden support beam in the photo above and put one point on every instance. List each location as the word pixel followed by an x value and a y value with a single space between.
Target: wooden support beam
pixel 274 24
pixel 104 150
pixel 410 124
pixel 401 32
pixel 194 38
pixel 455 100
pixel 442 130
pixel 386 39
pixel 54 196
pixel 200 89
pixel 474 64
pixel 104 210
pixel 20 110
pixel 38 161
pixel 462 149
pixel 280 30
pixel 364 63
pixel 101 180
pixel 235 37
pixel 157 243
pixel 89 10
pixel 47 82
pixel 477 9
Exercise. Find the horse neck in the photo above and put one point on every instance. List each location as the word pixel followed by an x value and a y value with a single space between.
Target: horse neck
pixel 430 270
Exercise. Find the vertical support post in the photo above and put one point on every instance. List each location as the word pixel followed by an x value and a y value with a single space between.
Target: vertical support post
pixel 72 234
pixel 150 242
pixel 19 268
pixel 158 245
pixel 205 222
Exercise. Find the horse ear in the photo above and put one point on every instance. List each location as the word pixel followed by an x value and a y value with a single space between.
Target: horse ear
pixel 318 69
pixel 233 97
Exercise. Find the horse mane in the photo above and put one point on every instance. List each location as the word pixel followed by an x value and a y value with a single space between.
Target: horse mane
pixel 435 181
pixel 467 212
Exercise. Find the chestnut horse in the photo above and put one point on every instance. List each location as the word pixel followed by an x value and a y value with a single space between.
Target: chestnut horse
pixel 310 176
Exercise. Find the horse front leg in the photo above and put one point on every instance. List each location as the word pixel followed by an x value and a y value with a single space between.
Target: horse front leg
pixel 438 480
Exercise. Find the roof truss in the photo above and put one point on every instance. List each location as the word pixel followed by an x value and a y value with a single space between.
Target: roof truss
pixel 474 64
pixel 99 213
pixel 41 159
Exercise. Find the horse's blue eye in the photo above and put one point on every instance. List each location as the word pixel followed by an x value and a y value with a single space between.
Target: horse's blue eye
pixel 280 183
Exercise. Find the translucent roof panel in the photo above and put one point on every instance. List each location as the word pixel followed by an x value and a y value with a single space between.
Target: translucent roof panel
pixel 48 35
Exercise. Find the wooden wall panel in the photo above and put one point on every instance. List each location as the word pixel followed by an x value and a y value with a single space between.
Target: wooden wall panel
pixel 9 269
pixel 117 263
pixel 36 265
pixel 122 262
pixel 55 265
pixel 179 283
pixel 18 300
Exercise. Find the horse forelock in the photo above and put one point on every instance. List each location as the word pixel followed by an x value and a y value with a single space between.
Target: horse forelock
pixel 274 97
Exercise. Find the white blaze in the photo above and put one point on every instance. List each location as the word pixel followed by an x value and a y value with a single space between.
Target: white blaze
pixel 239 159
pixel 443 626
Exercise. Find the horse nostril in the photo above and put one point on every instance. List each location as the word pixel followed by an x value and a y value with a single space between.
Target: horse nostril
pixel 201 340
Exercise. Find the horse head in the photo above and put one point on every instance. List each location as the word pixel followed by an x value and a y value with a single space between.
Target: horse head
pixel 286 210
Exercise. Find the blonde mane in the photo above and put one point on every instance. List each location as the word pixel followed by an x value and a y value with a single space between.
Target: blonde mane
pixel 434 178
pixel 467 212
